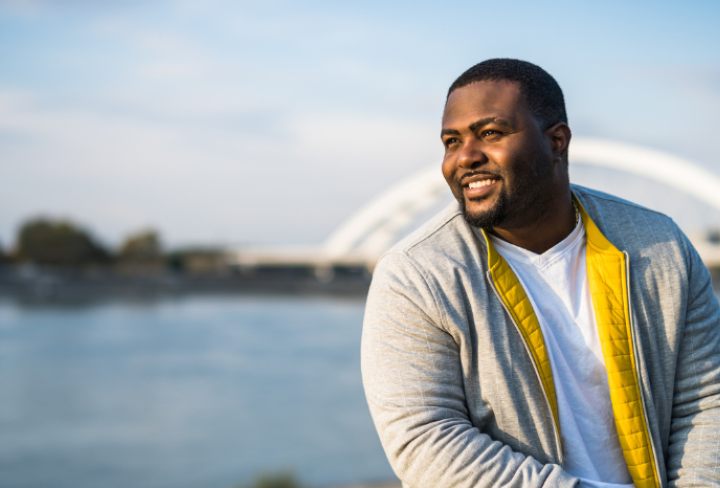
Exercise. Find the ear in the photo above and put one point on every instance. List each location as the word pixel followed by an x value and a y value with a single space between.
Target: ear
pixel 559 136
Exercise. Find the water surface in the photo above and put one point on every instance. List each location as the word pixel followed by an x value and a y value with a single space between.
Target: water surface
pixel 194 392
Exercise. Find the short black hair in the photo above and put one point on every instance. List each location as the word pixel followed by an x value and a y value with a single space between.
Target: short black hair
pixel 542 93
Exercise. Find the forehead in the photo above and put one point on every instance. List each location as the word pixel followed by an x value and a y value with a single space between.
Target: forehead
pixel 483 99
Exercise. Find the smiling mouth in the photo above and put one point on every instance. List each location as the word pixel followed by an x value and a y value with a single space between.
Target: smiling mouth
pixel 480 186
pixel 481 183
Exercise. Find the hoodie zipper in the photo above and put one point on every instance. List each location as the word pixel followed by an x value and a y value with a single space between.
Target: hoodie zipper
pixel 556 428
pixel 637 366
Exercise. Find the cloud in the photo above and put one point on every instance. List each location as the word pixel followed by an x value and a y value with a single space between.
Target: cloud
pixel 199 183
pixel 142 36
pixel 87 138
pixel 37 7
pixel 692 82
pixel 366 141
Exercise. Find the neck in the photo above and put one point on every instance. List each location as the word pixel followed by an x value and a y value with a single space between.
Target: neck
pixel 539 235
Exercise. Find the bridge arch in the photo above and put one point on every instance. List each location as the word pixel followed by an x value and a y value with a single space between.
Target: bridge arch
pixel 377 225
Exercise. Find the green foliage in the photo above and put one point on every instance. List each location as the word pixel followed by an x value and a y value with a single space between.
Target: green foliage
pixel 142 247
pixel 4 258
pixel 196 260
pixel 44 241
pixel 284 479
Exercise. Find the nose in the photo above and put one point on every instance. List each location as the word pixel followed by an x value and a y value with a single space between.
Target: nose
pixel 471 154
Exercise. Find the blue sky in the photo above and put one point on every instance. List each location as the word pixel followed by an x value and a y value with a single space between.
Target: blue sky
pixel 271 122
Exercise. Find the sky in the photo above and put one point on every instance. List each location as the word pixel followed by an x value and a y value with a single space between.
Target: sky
pixel 248 122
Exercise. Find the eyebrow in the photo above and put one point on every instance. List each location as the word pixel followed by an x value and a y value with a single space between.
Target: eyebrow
pixel 487 120
pixel 449 132
pixel 475 125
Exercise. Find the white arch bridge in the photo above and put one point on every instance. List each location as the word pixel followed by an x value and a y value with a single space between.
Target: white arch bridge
pixel 368 233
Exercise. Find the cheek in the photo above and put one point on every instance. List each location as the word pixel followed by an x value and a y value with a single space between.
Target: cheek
pixel 501 156
pixel 508 162
pixel 448 170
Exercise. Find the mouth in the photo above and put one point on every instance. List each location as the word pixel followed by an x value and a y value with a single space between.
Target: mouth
pixel 478 186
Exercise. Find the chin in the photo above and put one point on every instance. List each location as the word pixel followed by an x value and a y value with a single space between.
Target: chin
pixel 485 219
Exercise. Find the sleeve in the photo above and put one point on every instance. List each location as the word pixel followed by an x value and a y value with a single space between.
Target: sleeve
pixel 413 382
pixel 694 446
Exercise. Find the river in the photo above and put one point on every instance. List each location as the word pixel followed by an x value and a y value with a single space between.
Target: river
pixel 200 392
pixel 194 392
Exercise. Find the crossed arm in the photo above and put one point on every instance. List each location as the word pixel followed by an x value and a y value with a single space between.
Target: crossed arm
pixel 693 453
pixel 414 385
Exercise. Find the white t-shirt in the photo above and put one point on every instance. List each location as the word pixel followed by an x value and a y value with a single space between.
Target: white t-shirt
pixel 556 283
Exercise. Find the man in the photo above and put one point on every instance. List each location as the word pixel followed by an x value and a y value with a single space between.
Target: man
pixel 539 333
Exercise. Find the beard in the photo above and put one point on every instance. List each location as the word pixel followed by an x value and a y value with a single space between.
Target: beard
pixel 486 220
pixel 525 200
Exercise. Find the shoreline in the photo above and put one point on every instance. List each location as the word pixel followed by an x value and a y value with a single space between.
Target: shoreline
pixel 65 285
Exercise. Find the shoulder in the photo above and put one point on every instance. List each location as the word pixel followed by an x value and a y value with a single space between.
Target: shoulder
pixel 627 224
pixel 444 239
pixel 448 221
pixel 432 261
pixel 650 238
pixel 602 201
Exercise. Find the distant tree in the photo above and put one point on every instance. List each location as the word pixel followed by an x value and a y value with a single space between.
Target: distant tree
pixel 141 248
pixel 58 242
pixel 197 260
pixel 713 236
pixel 4 258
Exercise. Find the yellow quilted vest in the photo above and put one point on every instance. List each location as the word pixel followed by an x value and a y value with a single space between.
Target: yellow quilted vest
pixel 607 276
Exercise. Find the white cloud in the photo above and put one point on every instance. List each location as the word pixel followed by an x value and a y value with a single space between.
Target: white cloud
pixel 35 8
pixel 156 39
pixel 371 142
pixel 26 7
pixel 196 183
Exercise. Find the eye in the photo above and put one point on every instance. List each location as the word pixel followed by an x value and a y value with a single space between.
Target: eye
pixel 491 135
pixel 451 141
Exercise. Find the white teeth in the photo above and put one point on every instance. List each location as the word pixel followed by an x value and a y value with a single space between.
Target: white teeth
pixel 481 183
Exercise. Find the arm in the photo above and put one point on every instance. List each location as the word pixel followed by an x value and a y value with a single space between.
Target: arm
pixel 694 447
pixel 414 386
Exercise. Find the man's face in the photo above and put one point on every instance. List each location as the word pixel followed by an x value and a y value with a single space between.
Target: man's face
pixel 498 163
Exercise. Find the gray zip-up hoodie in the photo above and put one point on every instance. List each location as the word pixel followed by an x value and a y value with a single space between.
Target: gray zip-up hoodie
pixel 459 385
